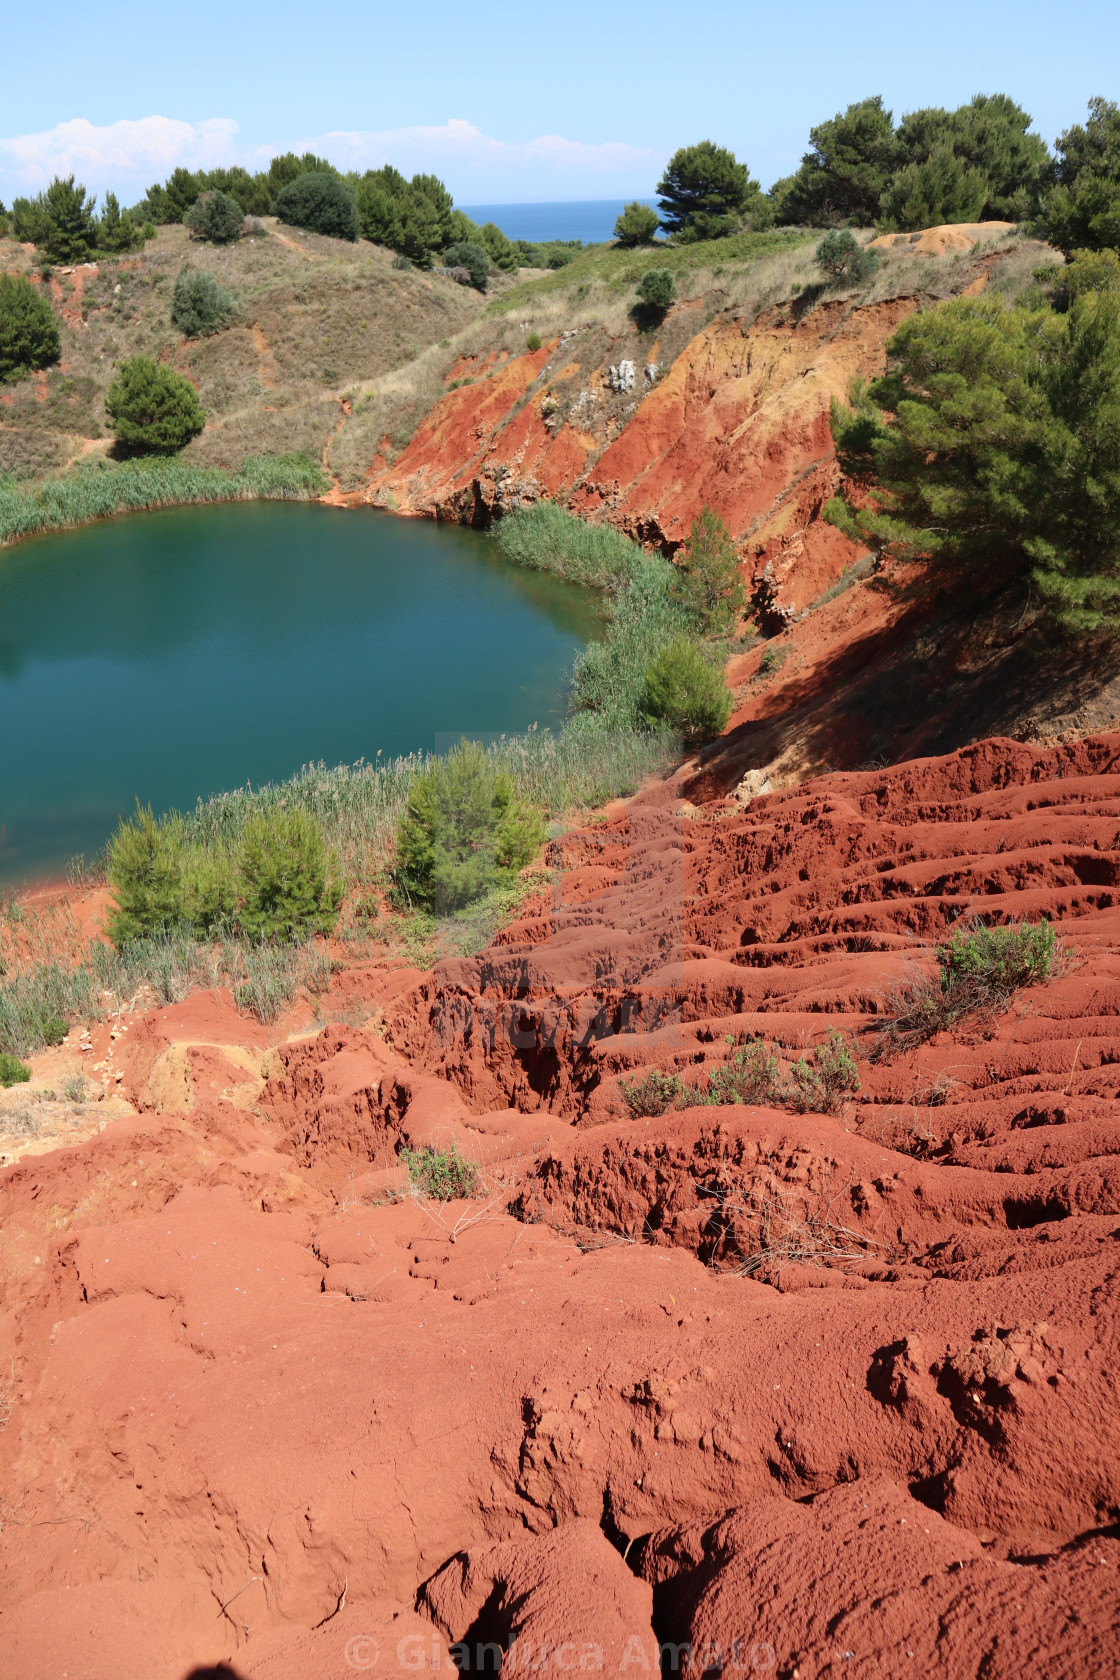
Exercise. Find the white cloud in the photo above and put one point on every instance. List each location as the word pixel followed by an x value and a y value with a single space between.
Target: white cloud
pixel 121 154
pixel 127 156
pixel 475 165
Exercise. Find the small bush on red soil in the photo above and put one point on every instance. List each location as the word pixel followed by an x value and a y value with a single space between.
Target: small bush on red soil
pixel 440 1174
pixel 820 1086
pixel 980 969
pixel 653 1095
pixel 753 1075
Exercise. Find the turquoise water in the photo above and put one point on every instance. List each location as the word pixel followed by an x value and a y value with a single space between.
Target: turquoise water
pixel 166 656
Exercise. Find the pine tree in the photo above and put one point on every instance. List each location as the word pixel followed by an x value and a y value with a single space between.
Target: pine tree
pixel 704 192
pixel 707 581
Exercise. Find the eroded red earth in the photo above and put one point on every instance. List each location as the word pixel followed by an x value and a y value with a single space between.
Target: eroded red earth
pixel 802 1394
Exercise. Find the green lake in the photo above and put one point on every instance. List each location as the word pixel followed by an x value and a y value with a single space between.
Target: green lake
pixel 166 656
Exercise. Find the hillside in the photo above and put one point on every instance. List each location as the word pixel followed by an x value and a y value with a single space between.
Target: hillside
pixel 317 318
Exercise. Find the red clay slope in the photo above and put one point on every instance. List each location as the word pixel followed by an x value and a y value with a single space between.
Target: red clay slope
pixel 812 1394
pixel 739 421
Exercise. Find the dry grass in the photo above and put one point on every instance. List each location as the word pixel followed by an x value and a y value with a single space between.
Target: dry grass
pixel 791 1234
pixel 316 317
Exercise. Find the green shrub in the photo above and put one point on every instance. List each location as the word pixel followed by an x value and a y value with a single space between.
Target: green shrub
pixel 656 288
pixel 287 882
pixel 153 409
pixel 474 258
pixel 321 203
pixel 55 1028
pixel 652 1095
pixel 608 678
pixel 148 231
pixel 844 260
pixel 752 1075
pixel 546 538
pixel 215 217
pixel 209 891
pixel 979 970
pixel 145 872
pixel 707 581
pixel 533 342
pixel 822 1085
pixel 12 1071
pixel 443 1175
pixel 637 225
pixel 283 885
pixel 464 830
pixel 29 337
pixel 997 959
pixel 199 305
pixel 685 691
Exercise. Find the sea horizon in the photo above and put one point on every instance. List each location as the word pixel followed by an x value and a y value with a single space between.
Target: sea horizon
pixel 589 219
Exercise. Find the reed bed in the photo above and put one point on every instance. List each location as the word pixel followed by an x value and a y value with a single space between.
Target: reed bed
pixel 99 492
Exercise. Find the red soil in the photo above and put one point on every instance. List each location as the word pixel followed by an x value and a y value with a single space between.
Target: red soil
pixel 817 1393
pixel 740 421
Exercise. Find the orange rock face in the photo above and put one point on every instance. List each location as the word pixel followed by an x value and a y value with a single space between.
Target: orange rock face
pixel 740 422
pixel 744 1387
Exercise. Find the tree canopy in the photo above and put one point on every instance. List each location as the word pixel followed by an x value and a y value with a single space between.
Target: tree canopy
pixel 153 409
pixel 704 192
pixel 59 221
pixel 29 337
pixel 992 446
pixel 415 218
pixel 1083 211
pixel 321 203
pixel 977 163
pixel 845 171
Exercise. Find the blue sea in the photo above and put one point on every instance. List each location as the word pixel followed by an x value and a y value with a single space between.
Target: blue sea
pixel 591 220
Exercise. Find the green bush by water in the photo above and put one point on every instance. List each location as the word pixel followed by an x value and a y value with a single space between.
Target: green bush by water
pixel 152 408
pixel 280 883
pixel 464 831
pixel 686 692
pixel 98 492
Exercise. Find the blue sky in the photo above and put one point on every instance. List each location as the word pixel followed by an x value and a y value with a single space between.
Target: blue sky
pixel 508 101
